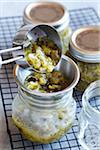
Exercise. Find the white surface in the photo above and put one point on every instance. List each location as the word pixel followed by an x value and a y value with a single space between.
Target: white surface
pixel 16 7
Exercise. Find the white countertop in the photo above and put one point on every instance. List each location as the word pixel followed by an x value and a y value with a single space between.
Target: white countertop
pixel 15 8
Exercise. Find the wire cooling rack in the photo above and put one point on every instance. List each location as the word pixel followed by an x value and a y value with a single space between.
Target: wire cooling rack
pixel 8 87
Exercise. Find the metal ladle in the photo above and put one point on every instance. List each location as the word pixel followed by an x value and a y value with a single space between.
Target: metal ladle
pixel 18 43
pixel 32 35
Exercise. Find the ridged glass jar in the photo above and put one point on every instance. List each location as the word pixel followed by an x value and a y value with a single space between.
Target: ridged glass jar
pixel 89 118
pixel 45 117
pixel 43 120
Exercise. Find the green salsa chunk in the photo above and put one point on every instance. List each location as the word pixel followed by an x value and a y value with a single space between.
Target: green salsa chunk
pixel 43 55
pixel 49 82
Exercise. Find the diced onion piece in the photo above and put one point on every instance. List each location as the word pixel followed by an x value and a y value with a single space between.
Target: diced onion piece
pixel 33 85
pixel 50 68
pixel 42 81
pixel 34 61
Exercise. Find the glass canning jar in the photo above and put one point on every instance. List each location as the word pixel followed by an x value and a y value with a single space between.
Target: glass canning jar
pixel 52 13
pixel 85 51
pixel 45 117
pixel 42 120
pixel 89 119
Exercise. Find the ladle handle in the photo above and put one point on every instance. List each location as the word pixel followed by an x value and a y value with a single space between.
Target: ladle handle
pixel 2 62
pixel 11 60
pixel 10 49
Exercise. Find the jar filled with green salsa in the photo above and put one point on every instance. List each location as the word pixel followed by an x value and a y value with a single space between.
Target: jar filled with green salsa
pixel 45 112
pixel 51 13
pixel 41 120
pixel 85 51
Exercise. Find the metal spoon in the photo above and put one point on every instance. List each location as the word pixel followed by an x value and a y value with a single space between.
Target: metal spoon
pixel 18 42
pixel 45 31
pixel 32 34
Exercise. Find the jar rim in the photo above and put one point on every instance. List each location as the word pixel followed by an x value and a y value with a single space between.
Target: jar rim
pixel 81 53
pixel 27 18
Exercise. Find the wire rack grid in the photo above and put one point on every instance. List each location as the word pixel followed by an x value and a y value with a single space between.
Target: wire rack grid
pixel 8 87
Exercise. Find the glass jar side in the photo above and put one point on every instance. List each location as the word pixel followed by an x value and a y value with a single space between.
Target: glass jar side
pixel 89 118
pixel 43 125
pixel 89 72
pixel 65 34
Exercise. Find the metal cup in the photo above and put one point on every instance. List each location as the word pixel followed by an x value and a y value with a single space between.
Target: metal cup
pixel 68 68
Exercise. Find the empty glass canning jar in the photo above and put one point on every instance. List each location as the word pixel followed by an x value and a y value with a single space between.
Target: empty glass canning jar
pixel 89 119
pixel 45 117
pixel 52 13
